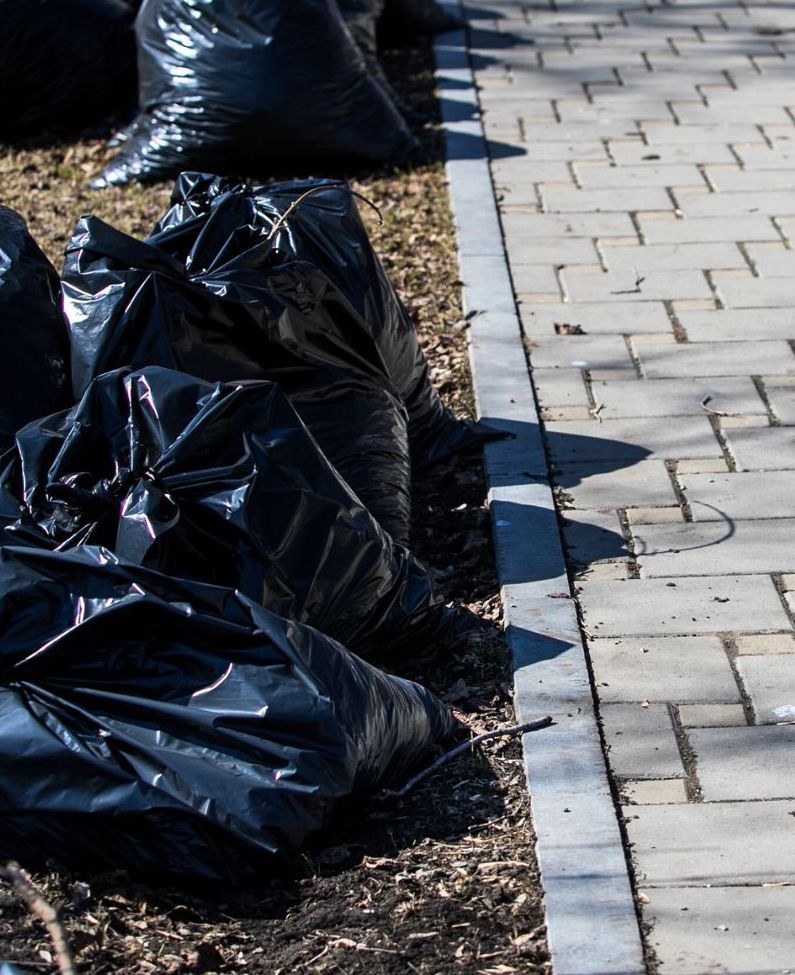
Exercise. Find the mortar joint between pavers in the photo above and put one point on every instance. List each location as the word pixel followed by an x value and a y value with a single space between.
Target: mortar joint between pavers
pixel 781 589
pixel 736 155
pixel 680 332
pixel 714 289
pixel 729 643
pixel 729 79
pixel 638 228
pixel 633 566
pixel 765 136
pixel 782 232
pixel 743 249
pixel 761 389
pixel 754 65
pixel 723 443
pixel 705 176
pixel 702 96
pixel 688 756
pixel 633 355
pixel 672 44
pixel 673 474
pixel 599 248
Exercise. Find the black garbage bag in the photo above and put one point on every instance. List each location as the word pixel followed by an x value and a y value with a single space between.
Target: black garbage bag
pixel 220 483
pixel 225 314
pixel 242 85
pixel 211 215
pixel 402 21
pixel 361 19
pixel 34 345
pixel 64 63
pixel 170 728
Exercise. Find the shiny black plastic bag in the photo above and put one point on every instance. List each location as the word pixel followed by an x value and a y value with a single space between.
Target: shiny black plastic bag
pixel 171 728
pixel 34 346
pixel 242 85
pixel 211 216
pixel 220 483
pixel 64 63
pixel 224 313
pixel 402 21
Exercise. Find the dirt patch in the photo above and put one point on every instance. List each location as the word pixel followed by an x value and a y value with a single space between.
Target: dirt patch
pixel 441 881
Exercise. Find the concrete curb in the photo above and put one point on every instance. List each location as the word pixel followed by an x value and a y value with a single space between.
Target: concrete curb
pixel 591 920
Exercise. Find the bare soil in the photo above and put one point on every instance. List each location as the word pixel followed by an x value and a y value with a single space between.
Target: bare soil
pixel 442 881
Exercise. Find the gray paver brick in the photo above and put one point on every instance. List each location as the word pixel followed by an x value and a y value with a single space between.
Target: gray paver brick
pixel 594 317
pixel 693 112
pixel 763 449
pixel 641 742
pixel 758 643
pixel 717 359
pixel 654 791
pixel 603 485
pixel 561 199
pixel 593 176
pixel 738 291
pixel 652 607
pixel 561 387
pixel 535 278
pixel 772 260
pixel 623 285
pixel 734 325
pixel 722 497
pixel 677 669
pixel 555 251
pixel 593 536
pixel 783 402
pixel 505 169
pixel 632 152
pixel 731 930
pixel 586 351
pixel 745 763
pixel 740 227
pixel 732 179
pixel 716 547
pixel 660 133
pixel 712 715
pixel 673 257
pixel 712 843
pixel 632 439
pixel 770 682
pixel 762 157
pixel 771 203
pixel 519 229
pixel 678 397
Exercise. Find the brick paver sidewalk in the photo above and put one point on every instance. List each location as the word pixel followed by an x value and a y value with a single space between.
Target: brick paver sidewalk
pixel 644 160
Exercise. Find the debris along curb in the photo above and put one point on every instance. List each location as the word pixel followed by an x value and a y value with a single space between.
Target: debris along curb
pixel 592 925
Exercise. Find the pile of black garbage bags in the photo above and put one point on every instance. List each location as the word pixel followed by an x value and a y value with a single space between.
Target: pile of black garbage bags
pixel 222 85
pixel 209 438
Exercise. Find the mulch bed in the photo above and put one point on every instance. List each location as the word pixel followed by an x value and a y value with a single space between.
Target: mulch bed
pixel 443 880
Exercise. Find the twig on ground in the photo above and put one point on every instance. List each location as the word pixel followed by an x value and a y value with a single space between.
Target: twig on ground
pixel 38 905
pixel 311 192
pixel 708 409
pixel 516 729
